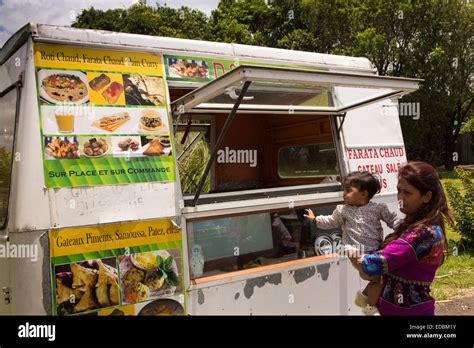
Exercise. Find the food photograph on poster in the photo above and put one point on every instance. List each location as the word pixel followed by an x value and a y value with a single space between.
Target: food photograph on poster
pixel 85 286
pixel 150 275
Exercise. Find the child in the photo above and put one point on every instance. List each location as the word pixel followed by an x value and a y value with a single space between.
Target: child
pixel 359 219
pixel 410 257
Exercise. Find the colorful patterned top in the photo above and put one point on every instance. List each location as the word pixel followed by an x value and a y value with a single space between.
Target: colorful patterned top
pixel 410 263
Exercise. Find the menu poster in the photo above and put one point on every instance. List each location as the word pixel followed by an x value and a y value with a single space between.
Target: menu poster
pixel 183 68
pixel 118 269
pixel 205 69
pixel 104 117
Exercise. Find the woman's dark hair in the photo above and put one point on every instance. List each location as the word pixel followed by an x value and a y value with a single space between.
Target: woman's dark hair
pixel 424 178
pixel 363 181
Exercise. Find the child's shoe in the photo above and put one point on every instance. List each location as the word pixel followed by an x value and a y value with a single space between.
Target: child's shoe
pixel 370 310
pixel 360 299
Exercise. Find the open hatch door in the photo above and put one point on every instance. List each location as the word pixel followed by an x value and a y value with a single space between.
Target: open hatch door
pixel 259 89
pixel 282 90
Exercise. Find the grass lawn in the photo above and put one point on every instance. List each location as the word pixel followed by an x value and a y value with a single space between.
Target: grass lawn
pixel 457 272
pixel 455 275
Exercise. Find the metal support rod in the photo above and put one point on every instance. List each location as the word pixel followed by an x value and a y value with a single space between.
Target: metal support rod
pixel 188 129
pixel 338 129
pixel 17 84
pixel 227 124
pixel 178 118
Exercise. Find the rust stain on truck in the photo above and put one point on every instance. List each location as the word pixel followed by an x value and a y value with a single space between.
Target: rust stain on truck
pixel 324 270
pixel 200 297
pixel 250 284
pixel 300 275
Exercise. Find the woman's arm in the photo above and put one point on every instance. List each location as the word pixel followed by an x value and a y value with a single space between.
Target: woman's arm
pixel 399 253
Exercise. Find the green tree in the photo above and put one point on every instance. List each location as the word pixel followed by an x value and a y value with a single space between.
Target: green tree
pixel 468 127
pixel 240 21
pixel 431 39
pixel 428 39
pixel 143 19
pixel 443 58
pixel 461 199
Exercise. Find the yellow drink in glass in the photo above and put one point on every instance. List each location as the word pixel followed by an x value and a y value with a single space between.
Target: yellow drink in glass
pixel 65 122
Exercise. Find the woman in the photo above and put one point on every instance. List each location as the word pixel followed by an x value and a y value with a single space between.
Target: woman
pixel 411 255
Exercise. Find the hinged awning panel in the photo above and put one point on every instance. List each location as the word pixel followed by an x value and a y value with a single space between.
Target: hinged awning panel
pixel 276 89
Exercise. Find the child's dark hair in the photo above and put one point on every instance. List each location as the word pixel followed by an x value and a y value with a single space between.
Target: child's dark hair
pixel 363 181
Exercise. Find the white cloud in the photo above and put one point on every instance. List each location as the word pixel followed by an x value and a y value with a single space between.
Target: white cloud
pixel 16 13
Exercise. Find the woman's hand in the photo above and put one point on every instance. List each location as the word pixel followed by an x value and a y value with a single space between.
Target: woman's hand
pixel 309 215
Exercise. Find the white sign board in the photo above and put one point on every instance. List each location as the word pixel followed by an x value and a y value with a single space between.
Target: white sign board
pixel 382 161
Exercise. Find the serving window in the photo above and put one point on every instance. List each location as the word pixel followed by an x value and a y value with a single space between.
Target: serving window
pixel 307 161
pixel 265 142
pixel 256 152
pixel 274 127
pixel 228 244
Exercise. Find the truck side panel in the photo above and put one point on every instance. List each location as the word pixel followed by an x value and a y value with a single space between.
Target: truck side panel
pixel 324 287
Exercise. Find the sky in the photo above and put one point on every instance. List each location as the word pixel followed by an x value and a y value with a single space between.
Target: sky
pixel 16 13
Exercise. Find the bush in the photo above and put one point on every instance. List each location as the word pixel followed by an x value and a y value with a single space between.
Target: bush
pixel 191 167
pixel 461 201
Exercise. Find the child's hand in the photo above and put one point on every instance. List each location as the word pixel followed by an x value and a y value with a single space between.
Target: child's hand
pixel 309 215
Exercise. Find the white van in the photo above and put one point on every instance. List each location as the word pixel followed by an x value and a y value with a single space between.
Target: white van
pixel 93 216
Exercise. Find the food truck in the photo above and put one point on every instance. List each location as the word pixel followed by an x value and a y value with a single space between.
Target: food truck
pixel 96 129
